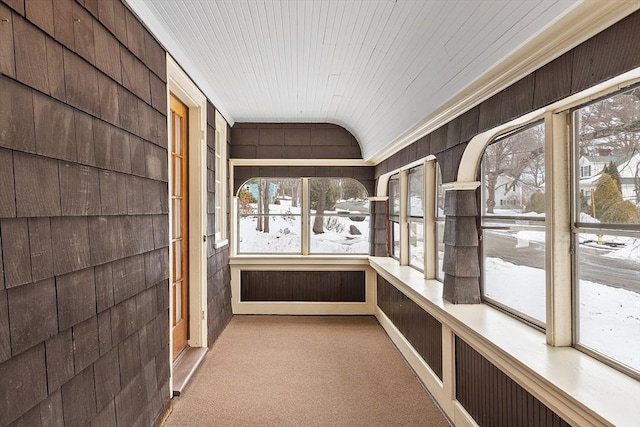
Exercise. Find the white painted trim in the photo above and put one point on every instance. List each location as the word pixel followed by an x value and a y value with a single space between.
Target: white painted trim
pixel 221 167
pixel 470 162
pixel 404 224
pixel 558 237
pixel 222 243
pixel 302 263
pixel 180 85
pixel 576 386
pixel 587 19
pixel 417 363
pixel 379 199
pixel 461 185
pixel 383 180
pixel 299 162
pixel 461 417
pixel 430 242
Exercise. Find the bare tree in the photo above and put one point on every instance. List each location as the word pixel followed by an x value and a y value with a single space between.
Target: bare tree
pixel 518 159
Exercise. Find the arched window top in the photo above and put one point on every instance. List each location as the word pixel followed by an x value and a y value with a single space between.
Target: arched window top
pixel 275 215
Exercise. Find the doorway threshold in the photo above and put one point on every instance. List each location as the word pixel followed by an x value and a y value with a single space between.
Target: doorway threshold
pixel 185 366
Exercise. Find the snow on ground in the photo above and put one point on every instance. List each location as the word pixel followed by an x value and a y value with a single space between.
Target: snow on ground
pixel 609 317
pixel 630 251
pixel 285 233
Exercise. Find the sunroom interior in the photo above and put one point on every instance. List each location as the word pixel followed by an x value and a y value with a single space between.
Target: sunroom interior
pixel 468 174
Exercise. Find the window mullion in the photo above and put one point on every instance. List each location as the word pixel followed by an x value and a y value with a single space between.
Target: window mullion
pixel 404 224
pixel 558 229
pixel 430 250
pixel 305 211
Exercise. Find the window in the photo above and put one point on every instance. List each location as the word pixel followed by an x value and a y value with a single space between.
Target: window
pixel 439 226
pixel 270 216
pixel 585 171
pixel 513 223
pixel 415 217
pixel 394 215
pixel 220 179
pixel 274 215
pixel 607 228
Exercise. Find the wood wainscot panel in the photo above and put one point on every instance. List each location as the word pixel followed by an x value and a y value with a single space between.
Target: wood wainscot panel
pixel 308 286
pixel 421 329
pixel 494 399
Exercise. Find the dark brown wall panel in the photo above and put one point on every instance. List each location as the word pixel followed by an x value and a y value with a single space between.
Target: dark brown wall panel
pixel 317 286
pixel 218 270
pixel 421 329
pixel 84 333
pixel 363 174
pixel 293 141
pixel 494 399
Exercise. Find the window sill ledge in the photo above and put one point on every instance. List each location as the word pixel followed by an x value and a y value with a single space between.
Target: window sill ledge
pixel 283 260
pixel 568 381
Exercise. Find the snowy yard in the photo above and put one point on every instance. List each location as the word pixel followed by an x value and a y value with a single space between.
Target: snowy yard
pixel 285 232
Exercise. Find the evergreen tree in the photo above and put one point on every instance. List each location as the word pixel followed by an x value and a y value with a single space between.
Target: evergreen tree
pixel 536 203
pixel 609 206
pixel 612 170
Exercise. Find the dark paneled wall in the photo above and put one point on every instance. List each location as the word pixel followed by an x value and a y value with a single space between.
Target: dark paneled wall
pixel 494 399
pixel 363 174
pixel 317 286
pixel 421 329
pixel 83 216
pixel 218 272
pixel 293 141
pixel 608 54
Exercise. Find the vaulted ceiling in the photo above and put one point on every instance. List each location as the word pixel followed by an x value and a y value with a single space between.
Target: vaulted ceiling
pixel 380 68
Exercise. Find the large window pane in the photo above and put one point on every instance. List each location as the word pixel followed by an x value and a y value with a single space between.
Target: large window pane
pixel 342 235
pixel 607 224
pixel 415 217
pixel 416 245
pixel 269 219
pixel 394 214
pixel 608 160
pixel 514 274
pixel 339 216
pixel 513 221
pixel 608 296
pixel 395 240
pixel 513 174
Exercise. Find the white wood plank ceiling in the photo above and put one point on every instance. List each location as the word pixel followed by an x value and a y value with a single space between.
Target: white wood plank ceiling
pixel 376 67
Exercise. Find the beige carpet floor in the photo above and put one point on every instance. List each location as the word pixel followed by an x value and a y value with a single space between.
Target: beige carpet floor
pixel 304 371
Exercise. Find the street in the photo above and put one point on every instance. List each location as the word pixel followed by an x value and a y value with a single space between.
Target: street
pixel 594 266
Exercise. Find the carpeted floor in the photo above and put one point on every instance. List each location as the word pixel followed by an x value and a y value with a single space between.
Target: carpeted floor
pixel 304 371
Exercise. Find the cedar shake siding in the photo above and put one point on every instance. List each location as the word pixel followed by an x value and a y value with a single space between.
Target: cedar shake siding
pixel 84 227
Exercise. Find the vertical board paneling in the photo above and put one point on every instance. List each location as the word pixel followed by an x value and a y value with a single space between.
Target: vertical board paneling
pixel 316 286
pixel 494 399
pixel 419 328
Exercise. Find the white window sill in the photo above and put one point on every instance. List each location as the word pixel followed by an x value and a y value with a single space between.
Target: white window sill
pixel 288 259
pixel 222 243
pixel 563 378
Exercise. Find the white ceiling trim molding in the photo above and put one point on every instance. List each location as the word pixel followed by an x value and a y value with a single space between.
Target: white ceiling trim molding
pixel 299 162
pixel 562 36
pixel 160 32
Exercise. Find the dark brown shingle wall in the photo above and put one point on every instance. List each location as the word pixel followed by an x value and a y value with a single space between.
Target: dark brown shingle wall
pixel 218 271
pixel 292 141
pixel 83 216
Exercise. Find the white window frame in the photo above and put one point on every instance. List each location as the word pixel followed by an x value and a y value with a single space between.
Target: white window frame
pixel 559 170
pixel 220 195
pixel 305 216
pixel 509 222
